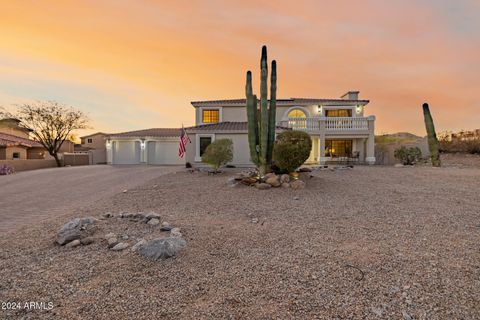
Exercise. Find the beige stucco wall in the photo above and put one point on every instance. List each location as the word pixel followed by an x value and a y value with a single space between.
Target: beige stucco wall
pixel 11 150
pixel 241 153
pixel 98 141
pixel 23 165
pixel 10 128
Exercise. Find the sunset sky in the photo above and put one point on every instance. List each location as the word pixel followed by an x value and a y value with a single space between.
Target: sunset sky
pixel 138 64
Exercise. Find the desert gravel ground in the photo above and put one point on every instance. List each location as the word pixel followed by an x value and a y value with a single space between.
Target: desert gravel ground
pixel 366 243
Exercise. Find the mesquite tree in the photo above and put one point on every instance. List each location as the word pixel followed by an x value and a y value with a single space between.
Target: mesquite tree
pixel 51 123
pixel 261 123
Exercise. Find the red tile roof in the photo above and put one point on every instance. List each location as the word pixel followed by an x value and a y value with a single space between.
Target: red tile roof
pixel 283 102
pixel 154 132
pixel 8 140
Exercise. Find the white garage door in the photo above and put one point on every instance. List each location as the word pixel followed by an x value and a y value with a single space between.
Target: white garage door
pixel 126 152
pixel 164 152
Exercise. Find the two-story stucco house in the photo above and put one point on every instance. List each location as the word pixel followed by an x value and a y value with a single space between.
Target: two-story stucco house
pixel 338 127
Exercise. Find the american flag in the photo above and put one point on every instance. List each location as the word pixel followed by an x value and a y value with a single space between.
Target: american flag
pixel 183 142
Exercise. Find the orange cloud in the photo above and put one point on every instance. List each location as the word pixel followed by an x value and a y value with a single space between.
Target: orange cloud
pixel 162 54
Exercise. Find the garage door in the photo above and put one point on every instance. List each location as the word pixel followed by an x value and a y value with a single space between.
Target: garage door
pixel 164 152
pixel 126 152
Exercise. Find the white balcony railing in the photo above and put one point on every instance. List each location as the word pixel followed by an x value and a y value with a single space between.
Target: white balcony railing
pixel 329 123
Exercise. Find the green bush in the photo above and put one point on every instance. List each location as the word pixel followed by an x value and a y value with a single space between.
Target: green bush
pixel 218 153
pixel 291 149
pixel 408 156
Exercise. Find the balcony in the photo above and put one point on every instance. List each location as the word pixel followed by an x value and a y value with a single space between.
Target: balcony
pixel 329 124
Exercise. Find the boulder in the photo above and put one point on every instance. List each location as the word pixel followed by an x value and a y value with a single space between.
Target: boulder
pixel 284 178
pixel 120 246
pixel 86 241
pixel 161 248
pixel 73 244
pixel 248 181
pixel 138 245
pixel 165 228
pixel 304 169
pixel 297 184
pixel 262 186
pixel 153 222
pixel 285 185
pixel 112 242
pixel 72 230
pixel 269 175
pixel 274 181
pixel 165 224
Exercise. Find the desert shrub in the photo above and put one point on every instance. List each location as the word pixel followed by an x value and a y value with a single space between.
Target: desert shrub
pixel 6 169
pixel 408 156
pixel 291 149
pixel 218 153
pixel 472 146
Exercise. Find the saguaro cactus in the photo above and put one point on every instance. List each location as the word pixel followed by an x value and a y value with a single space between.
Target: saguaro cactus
pixel 261 123
pixel 433 145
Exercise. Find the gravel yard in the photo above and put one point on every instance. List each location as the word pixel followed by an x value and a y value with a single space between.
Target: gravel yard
pixel 366 243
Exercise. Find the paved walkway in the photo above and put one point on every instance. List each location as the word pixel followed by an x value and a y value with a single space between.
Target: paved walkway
pixel 31 196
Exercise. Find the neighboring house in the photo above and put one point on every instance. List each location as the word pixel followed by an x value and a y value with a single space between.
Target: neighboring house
pixel 151 146
pixel 15 143
pixel 338 127
pixel 95 145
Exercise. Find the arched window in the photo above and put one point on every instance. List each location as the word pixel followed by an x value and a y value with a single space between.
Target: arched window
pixel 297 113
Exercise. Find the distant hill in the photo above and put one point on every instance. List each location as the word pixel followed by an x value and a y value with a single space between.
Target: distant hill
pixel 399 137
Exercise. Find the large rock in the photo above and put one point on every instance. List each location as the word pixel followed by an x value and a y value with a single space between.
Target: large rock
pixel 297 184
pixel 72 244
pixel 161 248
pixel 262 186
pixel 273 180
pixel 284 178
pixel 72 230
pixel 120 246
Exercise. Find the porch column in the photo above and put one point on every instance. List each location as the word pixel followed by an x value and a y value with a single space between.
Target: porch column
pixel 321 142
pixel 109 147
pixel 143 151
pixel 370 158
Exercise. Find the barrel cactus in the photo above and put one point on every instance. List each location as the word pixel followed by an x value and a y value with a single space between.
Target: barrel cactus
pixel 433 144
pixel 261 122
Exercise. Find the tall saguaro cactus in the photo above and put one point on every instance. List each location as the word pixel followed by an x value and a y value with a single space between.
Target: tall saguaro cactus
pixel 261 122
pixel 433 144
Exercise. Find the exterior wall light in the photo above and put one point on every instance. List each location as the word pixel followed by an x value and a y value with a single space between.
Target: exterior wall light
pixel 358 109
pixel 142 144
pixel 109 144
pixel 320 110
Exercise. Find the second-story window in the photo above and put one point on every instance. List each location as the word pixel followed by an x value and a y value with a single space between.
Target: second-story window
pixel 89 140
pixel 339 113
pixel 210 115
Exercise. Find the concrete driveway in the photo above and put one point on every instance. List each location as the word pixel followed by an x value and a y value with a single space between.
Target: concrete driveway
pixel 31 196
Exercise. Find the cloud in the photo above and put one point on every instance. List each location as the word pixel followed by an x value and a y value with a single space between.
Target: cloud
pixel 139 64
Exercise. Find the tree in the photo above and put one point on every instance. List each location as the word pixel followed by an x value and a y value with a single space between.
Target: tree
pixel 218 153
pixel 50 122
